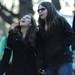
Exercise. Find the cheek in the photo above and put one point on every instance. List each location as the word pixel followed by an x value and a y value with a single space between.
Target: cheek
pixel 45 13
pixel 28 22
pixel 22 24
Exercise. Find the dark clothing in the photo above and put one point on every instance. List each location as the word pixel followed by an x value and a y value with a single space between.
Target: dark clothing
pixel 4 64
pixel 24 58
pixel 52 44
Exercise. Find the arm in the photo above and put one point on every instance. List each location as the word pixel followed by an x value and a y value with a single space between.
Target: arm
pixel 69 34
pixel 40 63
pixel 14 36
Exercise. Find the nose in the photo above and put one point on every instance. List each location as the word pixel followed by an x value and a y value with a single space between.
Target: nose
pixel 39 11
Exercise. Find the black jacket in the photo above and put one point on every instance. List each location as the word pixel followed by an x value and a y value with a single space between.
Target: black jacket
pixel 53 44
pixel 24 55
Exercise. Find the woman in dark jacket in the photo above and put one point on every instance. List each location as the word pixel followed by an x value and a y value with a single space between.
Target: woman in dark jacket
pixel 21 39
pixel 53 40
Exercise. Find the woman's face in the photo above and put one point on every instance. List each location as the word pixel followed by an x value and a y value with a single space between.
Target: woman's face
pixel 42 12
pixel 25 21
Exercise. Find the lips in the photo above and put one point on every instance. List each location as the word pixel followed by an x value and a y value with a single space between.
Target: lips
pixel 41 15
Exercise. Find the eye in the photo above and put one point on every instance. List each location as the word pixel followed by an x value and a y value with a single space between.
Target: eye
pixel 42 9
pixel 28 18
pixel 22 21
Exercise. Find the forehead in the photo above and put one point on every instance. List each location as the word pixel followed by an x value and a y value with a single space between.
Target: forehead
pixel 40 6
pixel 26 16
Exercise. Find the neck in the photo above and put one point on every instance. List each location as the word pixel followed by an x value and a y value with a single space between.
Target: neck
pixel 45 21
pixel 24 31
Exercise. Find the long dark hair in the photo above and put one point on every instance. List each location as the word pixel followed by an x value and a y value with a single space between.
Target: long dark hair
pixel 52 14
pixel 31 33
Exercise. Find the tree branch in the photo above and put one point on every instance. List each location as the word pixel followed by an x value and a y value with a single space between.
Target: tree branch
pixel 8 19
pixel 5 9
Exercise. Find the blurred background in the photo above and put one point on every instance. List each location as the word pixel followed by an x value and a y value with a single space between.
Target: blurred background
pixel 13 10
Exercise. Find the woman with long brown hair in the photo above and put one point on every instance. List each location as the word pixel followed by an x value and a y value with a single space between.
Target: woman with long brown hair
pixel 21 39
pixel 53 40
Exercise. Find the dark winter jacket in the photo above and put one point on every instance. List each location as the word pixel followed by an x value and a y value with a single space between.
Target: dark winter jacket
pixel 53 44
pixel 24 56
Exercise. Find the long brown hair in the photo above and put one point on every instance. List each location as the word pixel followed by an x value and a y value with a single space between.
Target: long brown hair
pixel 51 17
pixel 31 34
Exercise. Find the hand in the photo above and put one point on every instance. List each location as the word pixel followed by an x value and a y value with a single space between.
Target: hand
pixel 73 53
pixel 13 25
pixel 42 71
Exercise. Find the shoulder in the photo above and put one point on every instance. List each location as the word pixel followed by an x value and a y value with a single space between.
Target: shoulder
pixel 61 21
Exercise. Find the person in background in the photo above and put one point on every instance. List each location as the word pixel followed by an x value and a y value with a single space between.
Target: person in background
pixel 2 43
pixel 2 47
pixel 21 39
pixel 53 40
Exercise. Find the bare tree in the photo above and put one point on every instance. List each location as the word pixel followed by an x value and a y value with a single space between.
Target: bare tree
pixel 25 7
pixel 57 4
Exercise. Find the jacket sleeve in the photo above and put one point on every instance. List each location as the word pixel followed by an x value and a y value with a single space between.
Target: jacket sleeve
pixel 40 57
pixel 69 33
pixel 13 39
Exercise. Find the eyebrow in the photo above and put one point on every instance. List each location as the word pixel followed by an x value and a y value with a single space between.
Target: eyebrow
pixel 27 17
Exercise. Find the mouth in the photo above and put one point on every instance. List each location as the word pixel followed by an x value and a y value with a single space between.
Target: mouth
pixel 41 15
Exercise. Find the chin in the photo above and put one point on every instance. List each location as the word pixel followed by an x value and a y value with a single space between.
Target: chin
pixel 42 17
pixel 22 26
